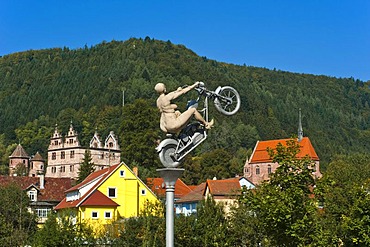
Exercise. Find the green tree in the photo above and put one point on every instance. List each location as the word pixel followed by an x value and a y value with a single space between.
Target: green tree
pixel 87 167
pixel 17 224
pixel 211 226
pixel 357 224
pixel 216 163
pixel 140 133
pixel 62 230
pixel 286 212
pixel 21 169
pixel 148 229
pixel 342 191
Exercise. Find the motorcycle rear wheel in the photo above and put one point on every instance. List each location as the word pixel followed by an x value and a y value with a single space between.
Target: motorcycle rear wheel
pixel 228 101
pixel 166 156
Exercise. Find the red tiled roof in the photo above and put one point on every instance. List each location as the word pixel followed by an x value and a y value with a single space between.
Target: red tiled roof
pixel 158 187
pixel 101 175
pixel 99 199
pixel 224 187
pixel 93 176
pixel 195 195
pixel 53 187
pixel 260 154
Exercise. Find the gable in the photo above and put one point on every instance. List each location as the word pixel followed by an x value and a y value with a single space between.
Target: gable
pixel 99 199
pixel 121 175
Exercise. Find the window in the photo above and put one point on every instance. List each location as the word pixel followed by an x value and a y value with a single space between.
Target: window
pixel 269 170
pixel 56 143
pixel 113 156
pixel 53 155
pixel 122 173
pixel 72 154
pixel 43 212
pixel 70 141
pixel 53 169
pixel 108 215
pixel 94 215
pixel 111 144
pixel 62 155
pixel 71 168
pixel 112 192
pixel 32 195
pixel 257 170
pixel 62 169
pixel 143 192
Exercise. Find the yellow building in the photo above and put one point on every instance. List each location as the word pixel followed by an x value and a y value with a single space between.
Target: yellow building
pixel 107 195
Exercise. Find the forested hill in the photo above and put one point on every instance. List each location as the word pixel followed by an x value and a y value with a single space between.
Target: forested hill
pixel 39 88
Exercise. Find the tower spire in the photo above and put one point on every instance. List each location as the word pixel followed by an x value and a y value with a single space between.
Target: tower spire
pixel 300 129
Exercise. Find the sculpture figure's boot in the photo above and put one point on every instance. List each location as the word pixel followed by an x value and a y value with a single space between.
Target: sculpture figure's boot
pixel 210 124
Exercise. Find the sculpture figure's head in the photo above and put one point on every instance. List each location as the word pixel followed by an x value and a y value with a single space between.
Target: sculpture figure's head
pixel 160 88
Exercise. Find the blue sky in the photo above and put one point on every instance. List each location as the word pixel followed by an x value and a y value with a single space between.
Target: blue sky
pixel 321 37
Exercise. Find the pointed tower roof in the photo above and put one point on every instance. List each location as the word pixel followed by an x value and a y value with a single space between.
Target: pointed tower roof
pixel 37 157
pixel 300 129
pixel 19 152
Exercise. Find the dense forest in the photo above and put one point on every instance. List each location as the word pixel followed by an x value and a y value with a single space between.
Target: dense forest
pixel 88 86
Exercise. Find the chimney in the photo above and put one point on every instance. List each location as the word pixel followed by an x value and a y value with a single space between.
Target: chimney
pixel 42 181
pixel 136 171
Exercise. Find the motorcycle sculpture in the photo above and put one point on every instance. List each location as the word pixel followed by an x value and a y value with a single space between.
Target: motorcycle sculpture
pixel 173 149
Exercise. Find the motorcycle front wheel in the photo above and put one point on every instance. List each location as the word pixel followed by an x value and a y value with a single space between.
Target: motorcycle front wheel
pixel 167 156
pixel 227 101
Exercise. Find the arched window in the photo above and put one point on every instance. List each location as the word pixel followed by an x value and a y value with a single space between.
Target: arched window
pixel 258 170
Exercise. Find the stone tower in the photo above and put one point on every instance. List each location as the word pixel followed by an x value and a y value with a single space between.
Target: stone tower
pixel 37 165
pixel 19 160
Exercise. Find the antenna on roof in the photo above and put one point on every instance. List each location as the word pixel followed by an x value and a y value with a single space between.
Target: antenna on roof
pixel 300 129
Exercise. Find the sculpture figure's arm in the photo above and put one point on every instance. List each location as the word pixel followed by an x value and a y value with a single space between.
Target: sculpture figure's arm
pixel 180 91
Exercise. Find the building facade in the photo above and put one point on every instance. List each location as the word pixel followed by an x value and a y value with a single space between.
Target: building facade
pixel 107 195
pixel 259 166
pixel 65 154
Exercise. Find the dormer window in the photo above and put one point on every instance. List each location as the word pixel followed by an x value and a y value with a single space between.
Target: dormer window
pixel 32 195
